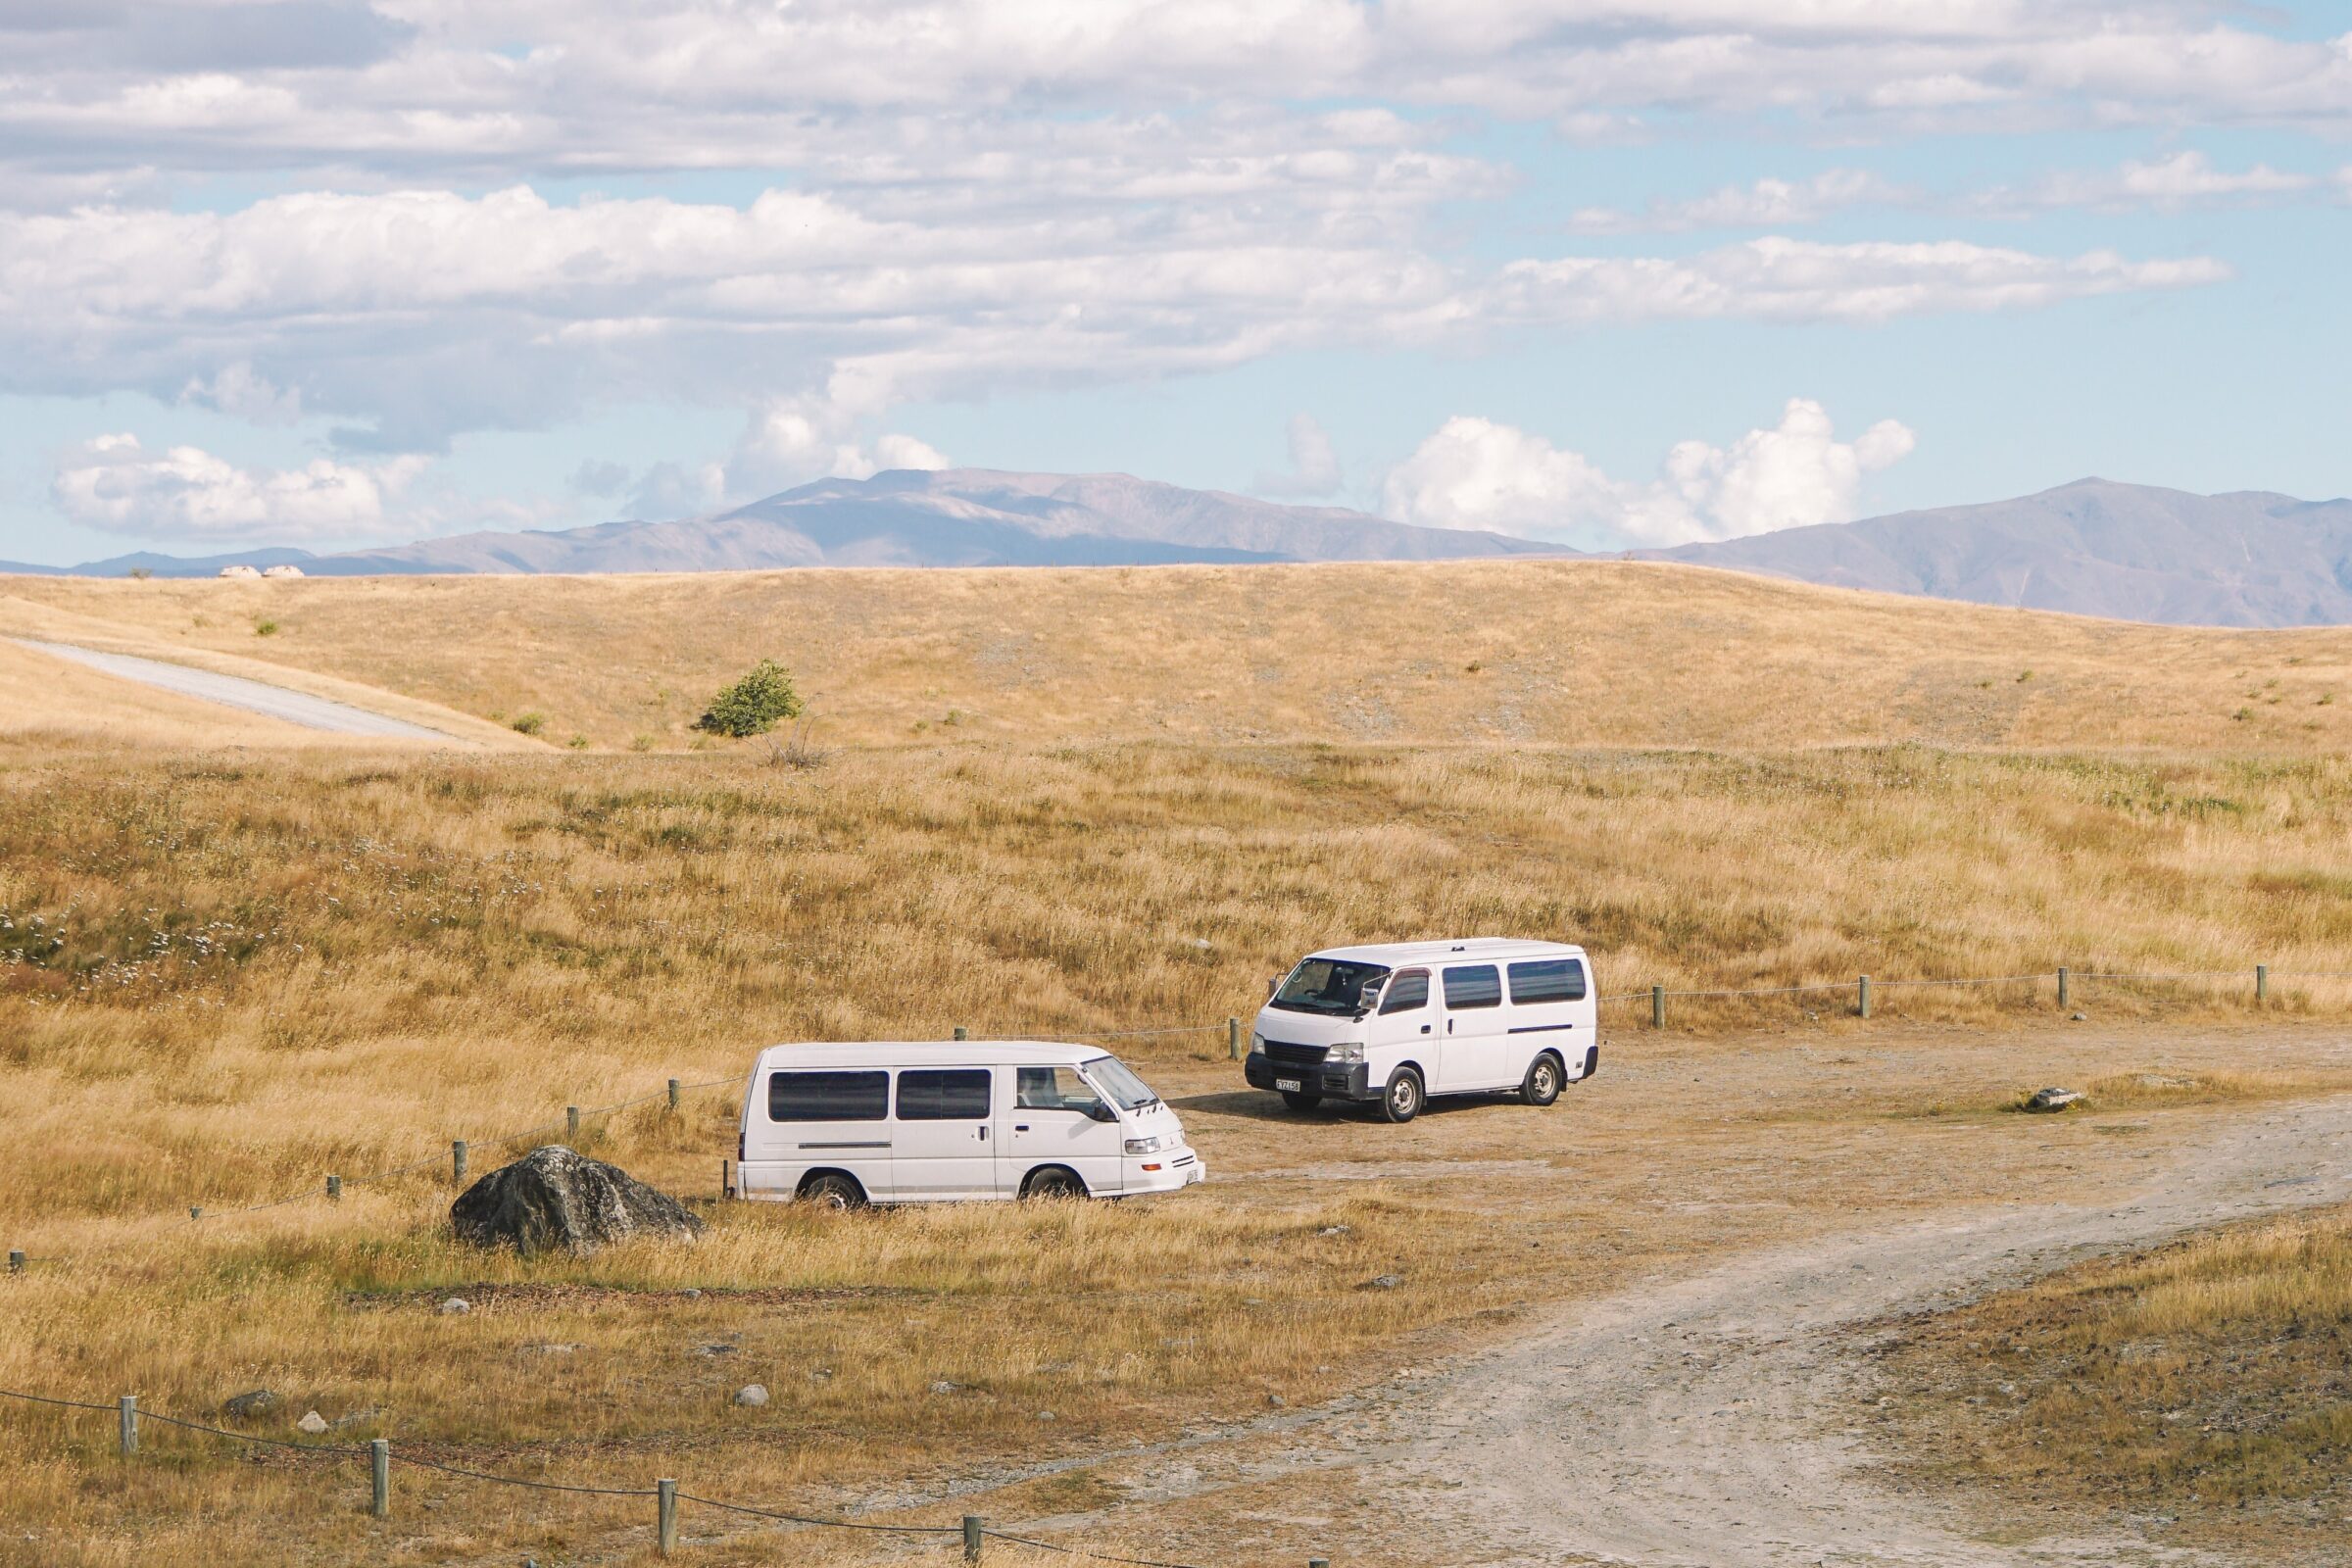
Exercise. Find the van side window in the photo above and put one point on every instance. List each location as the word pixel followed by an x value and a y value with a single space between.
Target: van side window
pixel 1053 1089
pixel 944 1093
pixel 1547 980
pixel 828 1096
pixel 1406 992
pixel 1477 984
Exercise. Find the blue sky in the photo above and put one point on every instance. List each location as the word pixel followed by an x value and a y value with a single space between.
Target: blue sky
pixel 1632 272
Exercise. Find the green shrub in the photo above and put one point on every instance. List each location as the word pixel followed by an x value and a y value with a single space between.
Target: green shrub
pixel 752 704
pixel 529 723
pixel 265 627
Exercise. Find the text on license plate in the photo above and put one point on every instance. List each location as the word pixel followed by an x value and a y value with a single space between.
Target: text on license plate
pixel 1290 1083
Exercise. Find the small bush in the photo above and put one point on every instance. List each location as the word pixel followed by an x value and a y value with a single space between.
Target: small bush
pixel 142 574
pixel 529 723
pixel 265 627
pixel 754 704
pixel 578 742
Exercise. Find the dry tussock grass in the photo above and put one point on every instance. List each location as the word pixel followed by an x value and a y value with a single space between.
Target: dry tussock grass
pixel 2210 1380
pixel 1555 653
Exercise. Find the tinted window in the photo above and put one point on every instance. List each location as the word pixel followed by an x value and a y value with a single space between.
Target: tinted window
pixel 1406 992
pixel 1477 984
pixel 828 1096
pixel 1547 980
pixel 944 1093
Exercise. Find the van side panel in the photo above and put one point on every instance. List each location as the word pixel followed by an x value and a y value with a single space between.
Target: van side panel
pixel 818 1119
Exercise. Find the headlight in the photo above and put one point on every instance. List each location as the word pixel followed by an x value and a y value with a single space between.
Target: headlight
pixel 1148 1146
pixel 1258 1043
pixel 1347 1051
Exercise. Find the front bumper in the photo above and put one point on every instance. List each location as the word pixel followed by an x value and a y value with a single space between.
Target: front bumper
pixel 1331 1080
pixel 1164 1172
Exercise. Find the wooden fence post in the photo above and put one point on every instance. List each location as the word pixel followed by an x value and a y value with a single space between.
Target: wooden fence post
pixel 334 1189
pixel 665 1516
pixel 1233 1040
pixel 724 1191
pixel 975 1531
pixel 379 1476
pixel 962 1033
pixel 2063 977
pixel 1318 1562
pixel 571 1124
pixel 1657 1006
pixel 2261 984
pixel 457 1160
pixel 673 1093
pixel 127 1424
pixel 195 1214
pixel 16 1261
pixel 1863 1000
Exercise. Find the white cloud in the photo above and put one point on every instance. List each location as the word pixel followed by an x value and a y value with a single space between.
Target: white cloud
pixel 1476 473
pixel 895 451
pixel 242 390
pixel 1767 204
pixel 2183 180
pixel 115 484
pixel 1314 464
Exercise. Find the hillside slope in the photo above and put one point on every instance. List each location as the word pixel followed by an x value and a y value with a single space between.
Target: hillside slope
pixel 2092 548
pixel 1512 653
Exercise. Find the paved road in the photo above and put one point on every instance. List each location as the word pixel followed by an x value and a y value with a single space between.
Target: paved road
pixel 234 691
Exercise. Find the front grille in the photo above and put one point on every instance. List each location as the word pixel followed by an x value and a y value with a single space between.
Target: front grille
pixel 1291 1055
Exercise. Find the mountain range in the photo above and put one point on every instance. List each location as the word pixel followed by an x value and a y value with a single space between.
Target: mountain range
pixel 2094 546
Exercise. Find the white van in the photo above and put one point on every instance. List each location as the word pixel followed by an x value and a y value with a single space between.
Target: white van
pixel 892 1123
pixel 1395 1024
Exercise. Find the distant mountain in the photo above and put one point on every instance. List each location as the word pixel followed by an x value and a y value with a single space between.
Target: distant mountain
pixel 161 565
pixel 952 517
pixel 2124 552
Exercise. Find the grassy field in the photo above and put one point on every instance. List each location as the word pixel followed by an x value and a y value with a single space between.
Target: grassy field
pixel 1555 653
pixel 2209 1382
pixel 229 966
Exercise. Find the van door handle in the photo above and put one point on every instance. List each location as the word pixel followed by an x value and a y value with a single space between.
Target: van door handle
pixel 1425 1028
pixel 984 1133
pixel 1021 1127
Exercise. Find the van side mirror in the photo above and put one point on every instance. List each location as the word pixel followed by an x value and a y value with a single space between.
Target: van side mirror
pixel 1102 1112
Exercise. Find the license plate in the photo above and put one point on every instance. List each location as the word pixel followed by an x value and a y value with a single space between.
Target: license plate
pixel 1290 1083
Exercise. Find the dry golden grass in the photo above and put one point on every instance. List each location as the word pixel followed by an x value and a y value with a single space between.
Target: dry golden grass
pixel 2210 1380
pixel 223 976
pixel 1561 653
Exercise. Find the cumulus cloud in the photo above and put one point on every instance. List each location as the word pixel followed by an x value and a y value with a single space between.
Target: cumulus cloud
pixel 1766 204
pixel 2183 180
pixel 1314 464
pixel 115 484
pixel 1474 472
pixel 243 391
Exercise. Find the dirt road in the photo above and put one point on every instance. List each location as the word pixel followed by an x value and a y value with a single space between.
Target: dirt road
pixel 234 691
pixel 1708 1421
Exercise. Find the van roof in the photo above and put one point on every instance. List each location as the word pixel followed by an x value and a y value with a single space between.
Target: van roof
pixel 926 1054
pixel 1396 954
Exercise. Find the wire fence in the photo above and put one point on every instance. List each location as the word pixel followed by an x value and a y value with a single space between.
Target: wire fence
pixel 973 1529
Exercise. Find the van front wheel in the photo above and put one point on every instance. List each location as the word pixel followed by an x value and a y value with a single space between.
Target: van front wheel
pixel 1402 1102
pixel 1299 1101
pixel 1054 1182
pixel 1544 1078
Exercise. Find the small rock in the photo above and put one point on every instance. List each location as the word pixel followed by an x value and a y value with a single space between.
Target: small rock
pixel 1047 1415
pixel 2081 1016
pixel 1383 1282
pixel 313 1423
pixel 253 1402
pixel 820 1374
pixel 551 1348
pixel 455 1306
pixel 691 1293
pixel 358 1418
pixel 942 1385
pixel 1275 1401
pixel 1334 1229
pixel 752 1394
pixel 2052 1098
pixel 716 1350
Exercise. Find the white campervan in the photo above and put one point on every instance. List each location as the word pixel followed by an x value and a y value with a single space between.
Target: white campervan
pixel 892 1123
pixel 1397 1023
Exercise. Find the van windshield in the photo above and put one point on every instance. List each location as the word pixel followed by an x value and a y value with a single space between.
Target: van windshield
pixel 1118 1080
pixel 1330 986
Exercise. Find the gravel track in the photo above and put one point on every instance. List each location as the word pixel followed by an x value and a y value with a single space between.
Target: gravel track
pixel 236 691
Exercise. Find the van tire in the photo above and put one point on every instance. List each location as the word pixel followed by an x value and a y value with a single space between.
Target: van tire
pixel 1299 1101
pixel 1053 1181
pixel 1545 1075
pixel 1401 1101
pixel 832 1190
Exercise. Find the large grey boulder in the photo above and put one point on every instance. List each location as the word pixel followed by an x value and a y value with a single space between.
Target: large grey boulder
pixel 554 1198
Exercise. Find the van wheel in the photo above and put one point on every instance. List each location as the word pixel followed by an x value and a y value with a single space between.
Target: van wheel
pixel 1402 1102
pixel 834 1191
pixel 1299 1101
pixel 1053 1181
pixel 1544 1076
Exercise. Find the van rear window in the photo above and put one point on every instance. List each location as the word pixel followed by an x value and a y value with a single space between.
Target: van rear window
pixel 1477 984
pixel 944 1093
pixel 1546 980
pixel 828 1096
